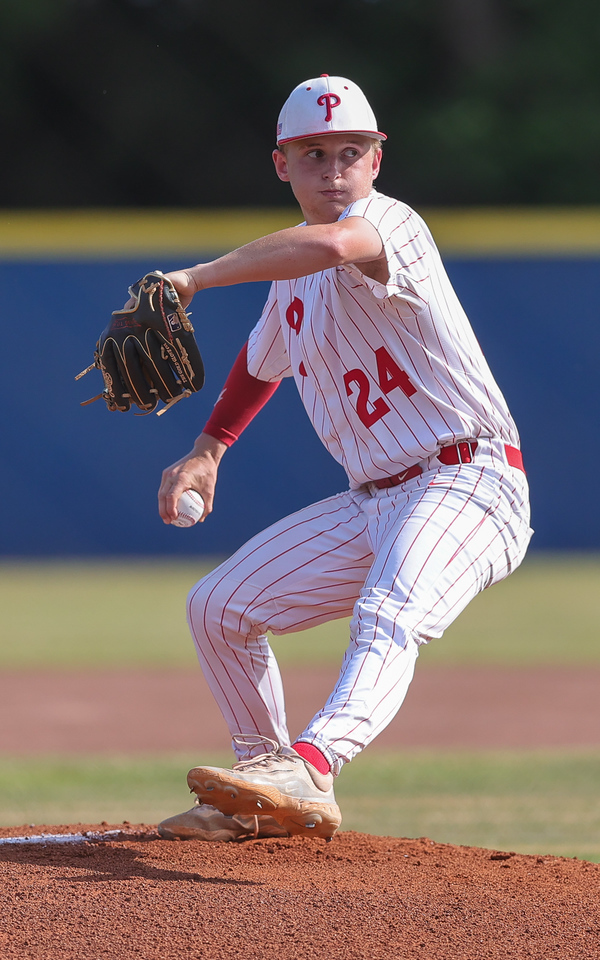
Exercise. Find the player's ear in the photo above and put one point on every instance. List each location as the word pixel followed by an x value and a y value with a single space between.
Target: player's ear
pixel 280 161
pixel 377 155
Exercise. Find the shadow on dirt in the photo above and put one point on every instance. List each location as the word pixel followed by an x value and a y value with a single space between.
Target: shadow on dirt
pixel 101 861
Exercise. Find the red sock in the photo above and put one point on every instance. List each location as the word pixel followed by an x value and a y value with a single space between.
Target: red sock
pixel 314 756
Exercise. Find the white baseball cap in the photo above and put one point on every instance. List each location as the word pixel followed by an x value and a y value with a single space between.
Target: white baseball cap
pixel 326 105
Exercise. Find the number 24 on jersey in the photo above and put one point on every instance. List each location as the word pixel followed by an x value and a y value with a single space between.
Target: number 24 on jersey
pixel 390 376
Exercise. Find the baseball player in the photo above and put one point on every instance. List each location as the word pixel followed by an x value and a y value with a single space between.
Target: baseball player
pixel 362 314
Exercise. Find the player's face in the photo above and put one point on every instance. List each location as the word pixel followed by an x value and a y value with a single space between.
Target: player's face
pixel 329 172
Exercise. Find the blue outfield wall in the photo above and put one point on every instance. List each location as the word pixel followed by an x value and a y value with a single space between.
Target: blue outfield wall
pixel 78 481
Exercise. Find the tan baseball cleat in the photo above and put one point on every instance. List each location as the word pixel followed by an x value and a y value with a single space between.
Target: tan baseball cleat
pixel 204 822
pixel 279 784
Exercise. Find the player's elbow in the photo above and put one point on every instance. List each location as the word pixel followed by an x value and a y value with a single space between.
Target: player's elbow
pixel 339 246
pixel 352 240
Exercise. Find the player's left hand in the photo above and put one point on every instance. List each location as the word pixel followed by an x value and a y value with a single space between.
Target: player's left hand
pixel 148 351
pixel 184 285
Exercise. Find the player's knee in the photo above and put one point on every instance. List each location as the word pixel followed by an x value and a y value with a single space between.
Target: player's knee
pixel 205 599
pixel 377 626
pixel 218 611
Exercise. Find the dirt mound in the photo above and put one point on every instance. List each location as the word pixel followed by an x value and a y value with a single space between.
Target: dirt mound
pixel 128 894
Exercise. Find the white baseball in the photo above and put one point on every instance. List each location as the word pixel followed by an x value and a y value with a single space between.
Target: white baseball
pixel 190 508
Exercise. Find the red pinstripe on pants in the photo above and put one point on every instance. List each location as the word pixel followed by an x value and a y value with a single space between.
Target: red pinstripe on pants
pixel 403 562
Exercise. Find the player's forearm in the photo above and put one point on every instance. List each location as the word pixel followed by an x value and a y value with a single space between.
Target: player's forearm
pixel 279 256
pixel 288 254
pixel 242 397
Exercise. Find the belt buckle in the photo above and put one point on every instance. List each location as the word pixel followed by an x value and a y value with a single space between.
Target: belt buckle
pixel 463 448
pixel 466 450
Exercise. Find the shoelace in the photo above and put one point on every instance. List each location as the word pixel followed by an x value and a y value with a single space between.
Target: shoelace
pixel 250 742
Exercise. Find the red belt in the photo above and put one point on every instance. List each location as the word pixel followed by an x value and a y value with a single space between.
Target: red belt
pixel 461 452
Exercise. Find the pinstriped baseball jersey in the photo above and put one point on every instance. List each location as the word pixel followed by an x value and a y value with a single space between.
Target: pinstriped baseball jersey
pixel 389 372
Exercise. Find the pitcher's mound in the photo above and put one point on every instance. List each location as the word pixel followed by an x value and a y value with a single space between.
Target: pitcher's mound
pixel 118 891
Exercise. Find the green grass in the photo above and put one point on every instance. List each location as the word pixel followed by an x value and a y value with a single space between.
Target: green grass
pixel 96 614
pixel 533 802
pixel 526 801
pixel 121 614
pixel 63 790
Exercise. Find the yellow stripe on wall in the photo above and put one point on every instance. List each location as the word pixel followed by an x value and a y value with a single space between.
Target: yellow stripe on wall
pixel 116 234
pixel 539 231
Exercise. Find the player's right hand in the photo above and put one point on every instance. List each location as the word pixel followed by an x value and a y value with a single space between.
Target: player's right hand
pixel 196 471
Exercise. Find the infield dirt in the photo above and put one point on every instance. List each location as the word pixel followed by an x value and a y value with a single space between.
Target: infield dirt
pixel 130 711
pixel 358 897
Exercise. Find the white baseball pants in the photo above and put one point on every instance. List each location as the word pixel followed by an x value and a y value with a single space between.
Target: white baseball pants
pixel 403 562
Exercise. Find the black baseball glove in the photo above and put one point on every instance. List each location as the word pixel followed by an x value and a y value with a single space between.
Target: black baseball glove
pixel 148 351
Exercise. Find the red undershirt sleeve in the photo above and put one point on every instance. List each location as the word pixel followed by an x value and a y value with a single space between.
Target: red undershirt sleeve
pixel 241 399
